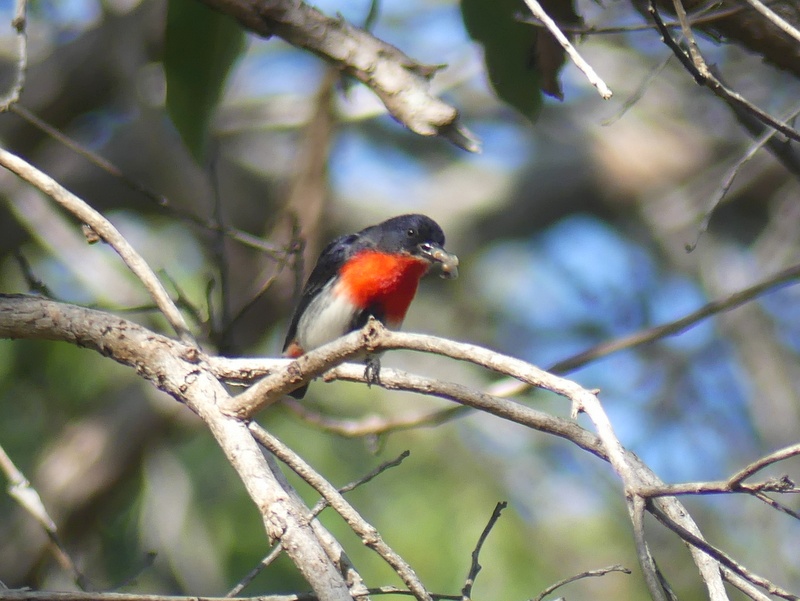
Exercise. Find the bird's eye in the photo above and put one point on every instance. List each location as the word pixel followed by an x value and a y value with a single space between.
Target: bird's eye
pixel 411 232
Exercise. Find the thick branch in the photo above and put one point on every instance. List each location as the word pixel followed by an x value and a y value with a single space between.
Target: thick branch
pixel 191 377
pixel 180 371
pixel 402 84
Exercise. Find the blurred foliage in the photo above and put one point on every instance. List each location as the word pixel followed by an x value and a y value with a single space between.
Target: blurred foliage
pixel 200 47
pixel 509 52
pixel 570 232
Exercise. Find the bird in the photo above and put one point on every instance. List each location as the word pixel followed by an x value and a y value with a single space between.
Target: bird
pixel 372 273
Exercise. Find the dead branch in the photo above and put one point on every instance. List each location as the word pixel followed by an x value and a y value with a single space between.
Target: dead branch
pixel 21 490
pixel 368 533
pixel 694 63
pixel 177 369
pixel 586 574
pixel 191 377
pixel 103 228
pixel 402 84
pixel 475 566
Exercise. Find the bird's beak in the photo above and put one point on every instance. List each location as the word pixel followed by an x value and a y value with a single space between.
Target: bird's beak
pixel 436 254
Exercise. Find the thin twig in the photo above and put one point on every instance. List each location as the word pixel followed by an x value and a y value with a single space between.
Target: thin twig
pixel 586 574
pixel 7 594
pixel 170 365
pixel 233 233
pixel 718 487
pixel 251 575
pixel 697 67
pixel 20 489
pixel 402 84
pixel 368 533
pixel 594 79
pixel 775 18
pixel 678 326
pixel 19 23
pixel 475 567
pixel 104 228
pixel 315 511
pixel 220 325
pixel 727 182
pixel 374 425
pixel 34 284
pixel 723 558
pixel 699 18
pixel 637 94
pixel 686 29
pixel 766 461
pixel 778 506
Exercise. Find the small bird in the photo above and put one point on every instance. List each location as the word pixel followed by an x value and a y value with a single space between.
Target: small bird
pixel 374 272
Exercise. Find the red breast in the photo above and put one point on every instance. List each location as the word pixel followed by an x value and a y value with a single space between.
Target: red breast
pixel 376 279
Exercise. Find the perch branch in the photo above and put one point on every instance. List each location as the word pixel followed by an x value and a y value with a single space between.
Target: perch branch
pixel 180 371
pixel 190 376
pixel 315 511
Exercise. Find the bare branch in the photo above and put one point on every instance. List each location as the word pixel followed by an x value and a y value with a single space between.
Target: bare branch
pixel 719 488
pixel 28 595
pixel 315 511
pixel 373 425
pixel 107 232
pixel 20 489
pixel 189 376
pixel 594 79
pixel 727 182
pixel 698 68
pixel 698 18
pixel 402 84
pixel 368 533
pixel 586 574
pixel 723 558
pixel 180 370
pixel 636 507
pixel 19 23
pixel 466 592
pixel 673 328
pixel 756 466
pixel 233 233
pixel 775 18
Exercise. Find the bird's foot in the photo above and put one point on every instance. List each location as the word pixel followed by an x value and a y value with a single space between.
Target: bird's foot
pixel 372 370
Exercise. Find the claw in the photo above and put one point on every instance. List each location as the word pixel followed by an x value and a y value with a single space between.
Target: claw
pixel 372 370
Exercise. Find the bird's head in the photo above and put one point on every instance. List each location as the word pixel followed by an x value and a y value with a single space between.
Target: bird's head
pixel 415 235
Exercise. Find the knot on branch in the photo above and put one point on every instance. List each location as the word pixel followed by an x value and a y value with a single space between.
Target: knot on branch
pixel 372 335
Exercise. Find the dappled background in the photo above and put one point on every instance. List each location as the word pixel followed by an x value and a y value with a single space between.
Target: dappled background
pixel 572 228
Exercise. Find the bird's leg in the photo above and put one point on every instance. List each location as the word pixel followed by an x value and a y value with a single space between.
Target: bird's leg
pixel 372 370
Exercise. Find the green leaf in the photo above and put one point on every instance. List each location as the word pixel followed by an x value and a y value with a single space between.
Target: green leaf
pixel 509 51
pixel 200 48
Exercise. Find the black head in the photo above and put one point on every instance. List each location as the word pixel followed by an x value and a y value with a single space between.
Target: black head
pixel 416 235
pixel 405 233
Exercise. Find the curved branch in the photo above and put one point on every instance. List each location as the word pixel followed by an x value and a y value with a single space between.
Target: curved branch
pixel 191 377
pixel 103 228
pixel 180 371
pixel 402 84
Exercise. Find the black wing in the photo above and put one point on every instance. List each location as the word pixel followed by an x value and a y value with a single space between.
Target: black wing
pixel 330 261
